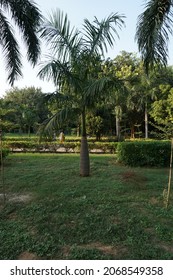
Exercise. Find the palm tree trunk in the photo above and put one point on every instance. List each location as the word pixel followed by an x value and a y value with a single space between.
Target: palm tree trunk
pixel 84 152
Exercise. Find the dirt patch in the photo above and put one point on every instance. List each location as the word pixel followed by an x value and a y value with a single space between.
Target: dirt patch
pixel 132 177
pixel 106 249
pixel 15 197
pixel 2 197
pixel 66 251
pixel 150 230
pixel 154 201
pixel 12 216
pixel 33 231
pixel 1 207
pixel 28 256
pixel 116 220
pixel 167 248
pixel 23 198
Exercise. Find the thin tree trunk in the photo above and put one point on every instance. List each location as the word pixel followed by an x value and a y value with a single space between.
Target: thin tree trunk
pixel 84 152
pixel 78 130
pixel 117 115
pixel 118 128
pixel 132 131
pixel 146 121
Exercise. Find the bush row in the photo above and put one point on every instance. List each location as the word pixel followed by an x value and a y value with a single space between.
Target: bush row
pixel 144 153
pixel 132 153
pixel 102 147
pixel 35 139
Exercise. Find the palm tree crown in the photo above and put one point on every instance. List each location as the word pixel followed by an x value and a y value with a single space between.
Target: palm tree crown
pixel 153 29
pixel 27 17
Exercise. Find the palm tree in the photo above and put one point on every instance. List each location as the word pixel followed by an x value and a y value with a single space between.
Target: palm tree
pixel 75 64
pixel 25 15
pixel 152 34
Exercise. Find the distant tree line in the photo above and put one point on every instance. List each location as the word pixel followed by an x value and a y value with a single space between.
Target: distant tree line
pixel 140 105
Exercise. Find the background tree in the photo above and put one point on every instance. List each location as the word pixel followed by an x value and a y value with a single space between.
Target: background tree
pixel 26 16
pixel 29 108
pixel 94 125
pixel 127 99
pixel 117 95
pixel 6 124
pixel 127 69
pixel 162 112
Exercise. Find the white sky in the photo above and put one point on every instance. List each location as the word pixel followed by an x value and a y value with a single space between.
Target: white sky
pixel 77 10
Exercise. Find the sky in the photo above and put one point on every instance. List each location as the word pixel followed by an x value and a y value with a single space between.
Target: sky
pixel 77 11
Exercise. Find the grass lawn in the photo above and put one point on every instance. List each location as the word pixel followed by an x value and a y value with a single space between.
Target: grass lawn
pixel 53 213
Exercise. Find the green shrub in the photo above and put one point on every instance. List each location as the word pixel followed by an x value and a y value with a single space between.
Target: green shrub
pixel 68 139
pixel 71 144
pixel 144 153
pixel 16 139
pixel 20 144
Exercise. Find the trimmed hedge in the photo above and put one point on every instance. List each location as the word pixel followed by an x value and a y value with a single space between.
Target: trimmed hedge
pixel 144 153
pixel 73 147
pixel 22 138
pixel 35 139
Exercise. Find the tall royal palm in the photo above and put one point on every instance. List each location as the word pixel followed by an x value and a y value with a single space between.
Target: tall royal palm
pixel 26 16
pixel 74 64
pixel 152 35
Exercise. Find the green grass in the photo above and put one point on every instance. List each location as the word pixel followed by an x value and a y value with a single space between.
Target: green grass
pixel 116 213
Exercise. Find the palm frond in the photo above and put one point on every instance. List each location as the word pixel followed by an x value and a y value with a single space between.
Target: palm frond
pixel 59 72
pixel 28 18
pixel 152 33
pixel 101 34
pixel 60 99
pixel 10 49
pixel 99 87
pixel 57 120
pixel 62 39
pixel 53 70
